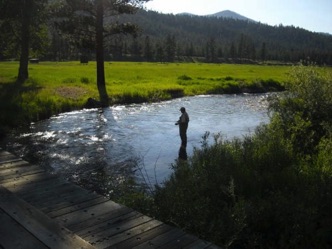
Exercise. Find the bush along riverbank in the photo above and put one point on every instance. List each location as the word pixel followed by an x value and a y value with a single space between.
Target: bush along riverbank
pixel 272 189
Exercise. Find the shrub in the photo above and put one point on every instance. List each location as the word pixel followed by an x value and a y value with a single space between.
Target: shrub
pixel 227 78
pixel 69 80
pixel 184 77
pixel 306 109
pixel 85 80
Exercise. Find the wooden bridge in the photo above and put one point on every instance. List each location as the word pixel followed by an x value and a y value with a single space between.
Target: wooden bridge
pixel 41 210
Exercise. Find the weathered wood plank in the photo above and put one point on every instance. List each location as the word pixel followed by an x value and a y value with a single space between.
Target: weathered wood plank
pixel 54 199
pixel 6 156
pixel 14 164
pixel 11 173
pixel 110 221
pixel 25 179
pixel 68 203
pixel 162 239
pixel 8 159
pixel 213 246
pixel 38 224
pixel 144 237
pixel 15 236
pixel 199 244
pixel 115 238
pixel 35 187
pixel 26 183
pixel 180 242
pixel 70 208
pixel 50 192
pixel 15 168
pixel 118 227
pixel 82 215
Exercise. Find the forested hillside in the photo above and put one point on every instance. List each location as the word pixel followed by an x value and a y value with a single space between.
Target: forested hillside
pixel 173 36
pixel 169 38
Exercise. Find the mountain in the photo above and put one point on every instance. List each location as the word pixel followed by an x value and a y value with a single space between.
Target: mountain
pixel 230 14
pixel 186 14
pixel 222 14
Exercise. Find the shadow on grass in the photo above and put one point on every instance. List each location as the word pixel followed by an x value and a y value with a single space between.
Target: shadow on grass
pixel 11 105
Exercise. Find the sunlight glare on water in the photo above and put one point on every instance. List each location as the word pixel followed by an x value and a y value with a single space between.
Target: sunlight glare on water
pixel 78 142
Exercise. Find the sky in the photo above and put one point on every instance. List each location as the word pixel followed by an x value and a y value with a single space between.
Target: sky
pixel 313 15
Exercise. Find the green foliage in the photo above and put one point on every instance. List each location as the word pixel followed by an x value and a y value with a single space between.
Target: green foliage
pixel 85 80
pixel 69 80
pixel 13 14
pixel 184 77
pixel 305 109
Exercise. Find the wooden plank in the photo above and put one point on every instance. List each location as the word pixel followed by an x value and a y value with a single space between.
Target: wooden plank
pixel 70 208
pixel 117 237
pixel 14 236
pixel 199 244
pixel 22 184
pixel 79 216
pixel 53 199
pixel 162 239
pixel 180 242
pixel 46 192
pixel 5 156
pixel 213 246
pixel 18 169
pixel 30 189
pixel 38 224
pixel 8 162
pixel 111 221
pixel 25 179
pixel 146 236
pixel 117 227
pixel 3 152
pixel 14 164
pixel 11 173
pixel 8 158
pixel 68 203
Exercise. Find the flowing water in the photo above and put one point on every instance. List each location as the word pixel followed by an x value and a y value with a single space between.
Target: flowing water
pixel 140 140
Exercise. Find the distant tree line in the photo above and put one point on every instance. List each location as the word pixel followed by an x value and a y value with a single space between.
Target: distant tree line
pixel 170 38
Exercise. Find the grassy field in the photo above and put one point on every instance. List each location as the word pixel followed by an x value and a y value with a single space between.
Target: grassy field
pixel 141 78
pixel 55 87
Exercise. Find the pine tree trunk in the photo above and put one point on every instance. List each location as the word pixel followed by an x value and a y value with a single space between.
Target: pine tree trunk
pixel 23 72
pixel 100 55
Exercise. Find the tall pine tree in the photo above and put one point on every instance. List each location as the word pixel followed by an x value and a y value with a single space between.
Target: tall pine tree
pixel 86 20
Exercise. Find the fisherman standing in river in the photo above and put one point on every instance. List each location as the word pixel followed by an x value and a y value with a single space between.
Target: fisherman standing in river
pixel 183 126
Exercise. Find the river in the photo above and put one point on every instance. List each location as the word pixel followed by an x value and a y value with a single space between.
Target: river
pixel 140 140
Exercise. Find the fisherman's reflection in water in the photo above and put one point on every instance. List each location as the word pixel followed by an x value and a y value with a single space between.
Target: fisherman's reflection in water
pixel 183 153
pixel 183 126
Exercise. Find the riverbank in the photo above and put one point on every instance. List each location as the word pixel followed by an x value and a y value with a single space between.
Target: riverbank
pixel 56 87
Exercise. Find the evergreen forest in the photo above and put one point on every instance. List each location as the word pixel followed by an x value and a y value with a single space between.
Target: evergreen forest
pixel 185 38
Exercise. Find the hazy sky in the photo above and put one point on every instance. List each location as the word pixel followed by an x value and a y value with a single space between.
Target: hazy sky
pixel 313 15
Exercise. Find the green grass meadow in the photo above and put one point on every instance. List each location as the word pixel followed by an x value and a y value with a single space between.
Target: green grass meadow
pixel 141 78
